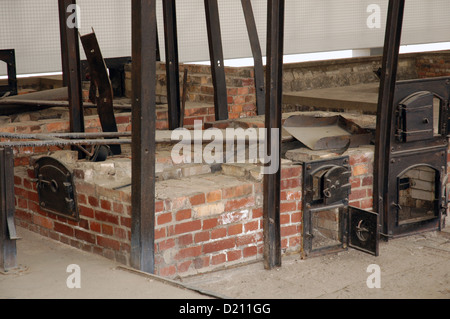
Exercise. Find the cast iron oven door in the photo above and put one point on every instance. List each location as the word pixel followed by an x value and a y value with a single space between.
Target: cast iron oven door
pixel 416 117
pixel 418 148
pixel 364 230
pixel 326 187
pixel 55 188
pixel 329 224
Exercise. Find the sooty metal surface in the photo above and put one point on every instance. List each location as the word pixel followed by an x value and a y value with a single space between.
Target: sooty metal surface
pixel 364 230
pixel 417 147
pixel 9 57
pixel 326 188
pixel 56 188
pixel 327 133
pixel 329 223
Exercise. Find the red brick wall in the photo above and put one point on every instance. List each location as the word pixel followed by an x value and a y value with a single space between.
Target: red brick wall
pixel 240 88
pixel 361 161
pixel 92 125
pixel 189 239
pixel 433 65
pixel 186 244
pixel 105 217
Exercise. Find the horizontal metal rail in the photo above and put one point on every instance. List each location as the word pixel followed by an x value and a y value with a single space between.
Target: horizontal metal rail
pixel 47 136
pixel 65 139
pixel 48 104
pixel 64 142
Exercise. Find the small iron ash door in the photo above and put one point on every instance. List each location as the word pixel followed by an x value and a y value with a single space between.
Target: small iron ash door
pixel 329 223
pixel 364 230
pixel 326 187
pixel 55 188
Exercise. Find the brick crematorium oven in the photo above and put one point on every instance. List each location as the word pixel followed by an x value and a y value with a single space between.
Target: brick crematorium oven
pixel 363 152
pixel 210 216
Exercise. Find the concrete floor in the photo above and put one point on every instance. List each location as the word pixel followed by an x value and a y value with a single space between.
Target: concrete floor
pixel 411 267
pixel 45 262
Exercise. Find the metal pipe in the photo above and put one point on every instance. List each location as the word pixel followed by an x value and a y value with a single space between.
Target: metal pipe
pixel 41 136
pixel 60 142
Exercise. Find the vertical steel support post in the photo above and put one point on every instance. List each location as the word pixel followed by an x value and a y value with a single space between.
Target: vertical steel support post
pixel 172 63
pixel 143 134
pixel 63 40
pixel 12 73
pixel 158 52
pixel 274 88
pixel 9 57
pixel 8 236
pixel 70 51
pixel 385 107
pixel 217 60
pixel 257 56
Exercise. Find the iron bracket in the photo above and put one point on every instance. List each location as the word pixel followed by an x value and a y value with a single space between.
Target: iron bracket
pixel 9 57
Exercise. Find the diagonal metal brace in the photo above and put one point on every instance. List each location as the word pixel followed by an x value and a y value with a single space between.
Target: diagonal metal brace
pixel 100 79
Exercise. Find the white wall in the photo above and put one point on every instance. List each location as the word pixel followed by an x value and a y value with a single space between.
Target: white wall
pixel 31 27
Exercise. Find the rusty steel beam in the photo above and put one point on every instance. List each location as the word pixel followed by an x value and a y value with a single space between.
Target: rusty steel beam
pixel 8 107
pixel 217 60
pixel 62 142
pixel 158 51
pixel 257 56
pixel 8 236
pixel 70 51
pixel 184 97
pixel 144 132
pixel 62 7
pixel 385 108
pixel 100 81
pixel 9 57
pixel 172 63
pixel 43 136
pixel 274 88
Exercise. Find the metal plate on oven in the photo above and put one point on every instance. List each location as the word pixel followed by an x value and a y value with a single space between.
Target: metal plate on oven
pixel 364 233
pixel 336 184
pixel 329 179
pixel 56 188
pixel 327 133
pixel 416 122
pixel 325 195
